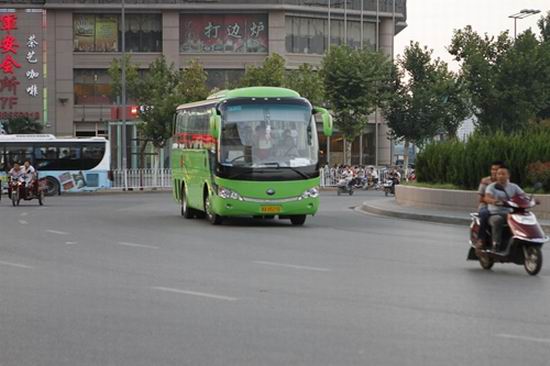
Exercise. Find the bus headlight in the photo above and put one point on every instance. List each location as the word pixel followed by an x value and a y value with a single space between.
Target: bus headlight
pixel 229 194
pixel 311 193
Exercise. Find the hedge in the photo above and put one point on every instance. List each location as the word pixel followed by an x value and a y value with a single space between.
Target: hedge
pixel 465 163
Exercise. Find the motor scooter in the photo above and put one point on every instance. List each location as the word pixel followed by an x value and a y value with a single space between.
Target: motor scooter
pixel 344 186
pixel 522 238
pixel 389 185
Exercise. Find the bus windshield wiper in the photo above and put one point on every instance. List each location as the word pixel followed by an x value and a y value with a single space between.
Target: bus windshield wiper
pixel 276 164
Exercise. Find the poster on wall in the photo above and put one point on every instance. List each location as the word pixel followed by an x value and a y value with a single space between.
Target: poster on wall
pixel 84 32
pixel 201 33
pixel 106 33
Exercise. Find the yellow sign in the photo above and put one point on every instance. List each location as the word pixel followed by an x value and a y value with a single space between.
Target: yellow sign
pixel 270 209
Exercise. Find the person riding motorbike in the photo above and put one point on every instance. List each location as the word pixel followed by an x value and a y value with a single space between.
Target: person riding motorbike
pixel 495 197
pixel 16 172
pixel 483 204
pixel 30 177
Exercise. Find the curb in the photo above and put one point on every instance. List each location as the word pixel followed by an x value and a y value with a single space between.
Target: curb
pixel 365 207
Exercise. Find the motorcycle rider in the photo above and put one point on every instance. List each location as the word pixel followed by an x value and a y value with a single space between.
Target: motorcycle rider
pixel 483 208
pixel 30 176
pixel 16 172
pixel 494 197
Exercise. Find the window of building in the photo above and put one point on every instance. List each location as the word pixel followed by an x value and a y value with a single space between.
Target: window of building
pixel 309 35
pixel 102 33
pixel 92 87
pixel 223 78
pixel 231 33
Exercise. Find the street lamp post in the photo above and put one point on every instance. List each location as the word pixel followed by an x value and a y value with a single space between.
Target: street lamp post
pixel 522 15
pixel 123 96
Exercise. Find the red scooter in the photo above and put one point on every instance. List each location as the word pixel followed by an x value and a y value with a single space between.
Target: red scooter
pixel 523 237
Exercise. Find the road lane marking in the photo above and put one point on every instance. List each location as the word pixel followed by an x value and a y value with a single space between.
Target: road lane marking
pixel 24 214
pixel 194 293
pixel 136 245
pixel 57 232
pixel 524 338
pixel 15 265
pixel 307 268
pixel 71 242
pixel 23 222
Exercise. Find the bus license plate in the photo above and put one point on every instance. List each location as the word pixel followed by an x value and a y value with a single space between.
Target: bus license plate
pixel 270 209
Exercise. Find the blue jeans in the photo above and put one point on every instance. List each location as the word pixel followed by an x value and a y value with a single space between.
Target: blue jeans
pixel 483 222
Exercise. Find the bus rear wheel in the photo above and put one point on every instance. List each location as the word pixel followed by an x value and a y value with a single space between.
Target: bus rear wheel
pixel 298 220
pixel 186 211
pixel 214 218
pixel 52 187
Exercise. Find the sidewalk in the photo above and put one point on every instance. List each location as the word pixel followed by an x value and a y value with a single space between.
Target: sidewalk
pixel 389 207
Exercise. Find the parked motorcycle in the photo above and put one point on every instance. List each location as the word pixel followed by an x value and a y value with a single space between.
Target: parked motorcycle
pixel 523 237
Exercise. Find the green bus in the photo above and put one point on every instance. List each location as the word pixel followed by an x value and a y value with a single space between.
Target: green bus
pixel 249 152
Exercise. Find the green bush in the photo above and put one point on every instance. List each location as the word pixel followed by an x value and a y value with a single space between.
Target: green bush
pixel 539 172
pixel 464 163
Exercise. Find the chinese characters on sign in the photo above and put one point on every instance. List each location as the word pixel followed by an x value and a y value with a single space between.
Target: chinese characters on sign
pixel 18 63
pixel 224 33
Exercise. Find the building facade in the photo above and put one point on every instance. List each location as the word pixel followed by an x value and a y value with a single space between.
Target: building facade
pixel 55 61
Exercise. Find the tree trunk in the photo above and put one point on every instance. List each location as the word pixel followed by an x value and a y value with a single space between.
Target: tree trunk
pixel 406 158
pixel 347 151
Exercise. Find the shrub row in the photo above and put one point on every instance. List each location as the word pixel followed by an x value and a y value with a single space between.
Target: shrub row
pixel 464 163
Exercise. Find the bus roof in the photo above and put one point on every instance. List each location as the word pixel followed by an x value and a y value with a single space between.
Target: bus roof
pixel 44 137
pixel 251 92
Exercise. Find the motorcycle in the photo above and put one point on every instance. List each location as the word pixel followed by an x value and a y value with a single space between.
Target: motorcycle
pixel 522 234
pixel 389 186
pixel 17 191
pixel 344 185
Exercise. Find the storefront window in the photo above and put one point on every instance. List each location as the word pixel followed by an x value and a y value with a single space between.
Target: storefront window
pixel 101 33
pixel 202 33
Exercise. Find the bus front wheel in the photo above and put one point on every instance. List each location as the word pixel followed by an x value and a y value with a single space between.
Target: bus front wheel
pixel 298 220
pixel 214 218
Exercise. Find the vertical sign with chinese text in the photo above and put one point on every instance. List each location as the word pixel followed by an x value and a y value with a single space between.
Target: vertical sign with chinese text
pixel 21 63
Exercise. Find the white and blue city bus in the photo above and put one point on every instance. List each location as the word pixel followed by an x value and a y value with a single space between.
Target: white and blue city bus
pixel 66 165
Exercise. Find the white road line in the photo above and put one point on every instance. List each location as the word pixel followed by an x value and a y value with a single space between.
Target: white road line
pixel 23 222
pixel 137 245
pixel 15 265
pixel 24 214
pixel 71 242
pixel 194 293
pixel 57 232
pixel 524 338
pixel 318 269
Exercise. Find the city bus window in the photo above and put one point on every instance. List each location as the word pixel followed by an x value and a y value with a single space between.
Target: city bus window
pixel 45 157
pixel 92 154
pixel 18 154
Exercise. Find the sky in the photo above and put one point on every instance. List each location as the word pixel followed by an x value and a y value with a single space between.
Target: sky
pixel 431 22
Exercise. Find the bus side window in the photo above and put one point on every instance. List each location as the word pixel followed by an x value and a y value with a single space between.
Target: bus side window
pixel 45 157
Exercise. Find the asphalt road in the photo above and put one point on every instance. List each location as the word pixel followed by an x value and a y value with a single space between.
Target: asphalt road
pixel 122 279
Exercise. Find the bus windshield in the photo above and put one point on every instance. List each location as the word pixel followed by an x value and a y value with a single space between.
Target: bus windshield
pixel 259 135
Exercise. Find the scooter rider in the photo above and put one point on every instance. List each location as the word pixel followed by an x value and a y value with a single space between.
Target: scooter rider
pixel 494 197
pixel 483 208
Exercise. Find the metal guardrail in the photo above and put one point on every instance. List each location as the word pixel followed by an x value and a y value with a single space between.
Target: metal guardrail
pixel 131 179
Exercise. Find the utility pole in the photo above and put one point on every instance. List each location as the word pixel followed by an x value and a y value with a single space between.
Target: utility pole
pixel 123 81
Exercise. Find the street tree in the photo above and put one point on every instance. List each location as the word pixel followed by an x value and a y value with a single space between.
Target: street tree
pixel 355 83
pixel 23 125
pixel 307 81
pixel 192 83
pixel 132 78
pixel 271 73
pixel 426 99
pixel 508 80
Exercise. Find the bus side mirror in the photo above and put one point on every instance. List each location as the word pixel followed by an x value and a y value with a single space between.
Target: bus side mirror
pixel 327 120
pixel 215 124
